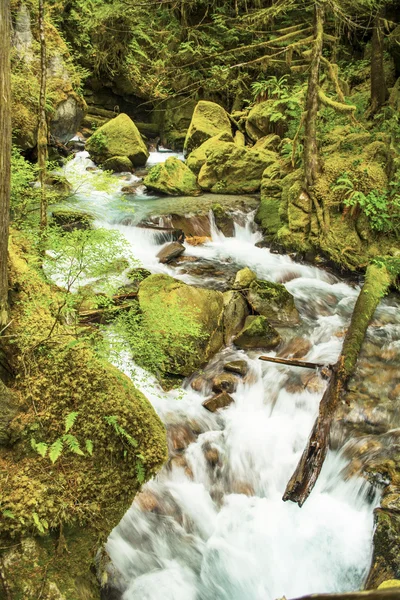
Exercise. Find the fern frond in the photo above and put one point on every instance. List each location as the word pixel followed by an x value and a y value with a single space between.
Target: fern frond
pixel 89 447
pixel 55 450
pixel 72 444
pixel 70 420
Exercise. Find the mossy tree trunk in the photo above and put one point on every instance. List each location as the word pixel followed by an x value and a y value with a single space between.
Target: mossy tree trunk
pixel 5 152
pixel 312 161
pixel 42 123
pixel 379 92
pixel 376 285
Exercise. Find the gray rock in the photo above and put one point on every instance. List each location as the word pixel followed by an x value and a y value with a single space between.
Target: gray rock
pixel 67 119
pixel 170 252
pixel 235 312
pixel 257 333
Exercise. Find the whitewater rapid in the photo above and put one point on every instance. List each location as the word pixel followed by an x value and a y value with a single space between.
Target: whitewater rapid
pixel 212 525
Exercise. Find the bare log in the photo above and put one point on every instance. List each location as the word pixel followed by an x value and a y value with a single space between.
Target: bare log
pixel 376 285
pixel 293 362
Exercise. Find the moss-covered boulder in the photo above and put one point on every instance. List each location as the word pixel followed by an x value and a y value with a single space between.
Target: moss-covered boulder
pixel 209 119
pixel 184 322
pixel 244 278
pixel 70 219
pixel 175 121
pixel 257 333
pixel 172 178
pixel 223 220
pixel 389 584
pixel 118 137
pixel 273 301
pixel 231 169
pixel 118 164
pixel 259 123
pixel 198 157
pixel 62 494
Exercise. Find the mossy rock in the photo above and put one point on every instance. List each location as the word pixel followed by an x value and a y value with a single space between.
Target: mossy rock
pixel 390 583
pixel 83 495
pixel 209 119
pixel 259 124
pixel 172 178
pixel 118 137
pixel 118 164
pixel 257 333
pixel 236 311
pixel 273 301
pixel 186 320
pixel 175 121
pixel 244 278
pixel 198 157
pixel 223 220
pixel 268 217
pixel 59 183
pixel 268 142
pixel 72 219
pixel 8 410
pixel 231 169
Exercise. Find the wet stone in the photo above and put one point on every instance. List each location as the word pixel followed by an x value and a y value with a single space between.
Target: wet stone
pixel 170 252
pixel 219 401
pixel 298 347
pixel 237 366
pixel 180 437
pixel 211 455
pixel 225 382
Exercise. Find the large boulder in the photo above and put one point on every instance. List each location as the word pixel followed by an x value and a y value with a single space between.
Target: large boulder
pixel 260 122
pixel 209 119
pixel 173 178
pixel 175 121
pixel 198 157
pixel 170 251
pixel 273 301
pixel 118 137
pixel 231 169
pixel 257 333
pixel 244 278
pixel 185 323
pixel 67 118
pixel 118 164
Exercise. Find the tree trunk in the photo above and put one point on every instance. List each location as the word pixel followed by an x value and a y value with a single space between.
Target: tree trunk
pixel 5 152
pixel 379 92
pixel 376 285
pixel 384 594
pixel 42 123
pixel 312 163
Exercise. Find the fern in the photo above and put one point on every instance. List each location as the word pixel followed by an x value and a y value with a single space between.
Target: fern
pixel 72 444
pixel 70 420
pixel 40 447
pixel 112 420
pixel 89 447
pixel 55 450
pixel 40 524
pixel 140 471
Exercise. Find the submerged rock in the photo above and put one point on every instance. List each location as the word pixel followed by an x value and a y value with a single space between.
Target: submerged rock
pixel 209 119
pixel 173 178
pixel 185 322
pixel 257 333
pixel 118 138
pixel 171 251
pixel 272 300
pixel 219 401
pixel 231 169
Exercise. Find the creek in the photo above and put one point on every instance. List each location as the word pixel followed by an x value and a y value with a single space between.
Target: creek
pixel 212 525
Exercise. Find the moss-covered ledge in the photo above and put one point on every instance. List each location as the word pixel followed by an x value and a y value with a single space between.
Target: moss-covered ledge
pixel 55 516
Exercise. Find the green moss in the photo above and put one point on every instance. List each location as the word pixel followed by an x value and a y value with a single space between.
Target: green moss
pixel 257 333
pixel 173 178
pixel 272 300
pixel 118 137
pixel 209 119
pixel 118 164
pixel 198 157
pixel 56 376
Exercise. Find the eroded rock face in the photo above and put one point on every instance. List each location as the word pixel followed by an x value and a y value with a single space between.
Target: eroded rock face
pixel 118 137
pixel 173 178
pixel 187 321
pixel 272 300
pixel 209 119
pixel 257 333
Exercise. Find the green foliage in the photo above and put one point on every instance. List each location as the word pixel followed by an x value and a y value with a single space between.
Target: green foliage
pixel 270 88
pixel 24 197
pixel 55 450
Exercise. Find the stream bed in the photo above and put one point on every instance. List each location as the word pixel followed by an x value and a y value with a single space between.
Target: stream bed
pixel 212 525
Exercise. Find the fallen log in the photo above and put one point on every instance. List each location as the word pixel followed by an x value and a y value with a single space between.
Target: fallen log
pixel 100 315
pixel 376 284
pixel 383 594
pixel 294 362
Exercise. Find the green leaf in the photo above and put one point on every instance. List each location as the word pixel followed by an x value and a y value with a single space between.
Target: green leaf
pixel 89 447
pixel 41 448
pixel 55 450
pixel 70 420
pixel 72 444
pixel 37 522
pixel 8 513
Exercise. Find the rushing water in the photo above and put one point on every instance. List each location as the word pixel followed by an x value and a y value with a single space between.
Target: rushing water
pixel 212 525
